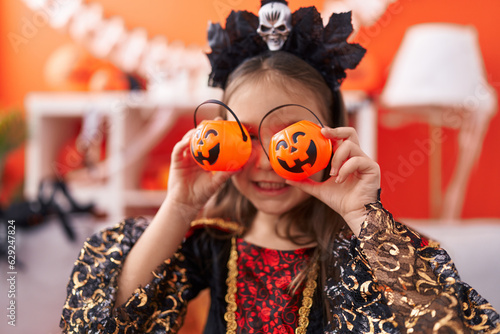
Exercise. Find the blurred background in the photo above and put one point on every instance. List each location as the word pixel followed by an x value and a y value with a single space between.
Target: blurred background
pixel 94 94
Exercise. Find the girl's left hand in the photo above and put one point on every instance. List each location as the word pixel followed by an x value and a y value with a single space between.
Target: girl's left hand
pixel 354 181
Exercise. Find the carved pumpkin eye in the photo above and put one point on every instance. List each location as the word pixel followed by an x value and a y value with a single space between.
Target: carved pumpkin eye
pixel 209 132
pixel 281 143
pixel 295 136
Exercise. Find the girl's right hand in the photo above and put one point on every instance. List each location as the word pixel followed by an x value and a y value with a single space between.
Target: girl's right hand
pixel 189 185
pixel 189 188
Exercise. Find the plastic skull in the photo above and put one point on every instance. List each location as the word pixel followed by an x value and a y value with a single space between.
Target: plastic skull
pixel 275 23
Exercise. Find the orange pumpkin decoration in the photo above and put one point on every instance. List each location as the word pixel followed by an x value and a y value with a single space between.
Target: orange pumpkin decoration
pixel 70 67
pixel 219 145
pixel 108 77
pixel 299 151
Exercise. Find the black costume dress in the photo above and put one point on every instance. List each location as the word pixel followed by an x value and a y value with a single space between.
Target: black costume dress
pixel 389 279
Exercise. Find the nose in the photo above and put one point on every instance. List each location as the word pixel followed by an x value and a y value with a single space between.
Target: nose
pixel 260 158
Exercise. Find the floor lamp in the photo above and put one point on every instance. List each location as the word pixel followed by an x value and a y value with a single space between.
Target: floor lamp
pixel 438 76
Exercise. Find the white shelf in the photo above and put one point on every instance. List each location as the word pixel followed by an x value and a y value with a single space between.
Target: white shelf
pixel 53 118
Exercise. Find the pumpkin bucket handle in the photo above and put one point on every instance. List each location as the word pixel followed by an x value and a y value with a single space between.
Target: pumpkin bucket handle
pixel 279 107
pixel 222 104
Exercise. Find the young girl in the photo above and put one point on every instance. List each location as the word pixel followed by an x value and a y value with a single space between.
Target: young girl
pixel 315 256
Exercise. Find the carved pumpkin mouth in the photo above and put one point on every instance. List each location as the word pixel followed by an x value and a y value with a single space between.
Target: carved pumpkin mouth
pixel 213 155
pixel 312 154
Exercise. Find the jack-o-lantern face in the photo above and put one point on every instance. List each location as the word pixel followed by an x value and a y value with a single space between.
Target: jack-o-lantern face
pixel 219 145
pixel 299 151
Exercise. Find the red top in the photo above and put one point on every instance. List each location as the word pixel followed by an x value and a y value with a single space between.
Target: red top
pixel 264 276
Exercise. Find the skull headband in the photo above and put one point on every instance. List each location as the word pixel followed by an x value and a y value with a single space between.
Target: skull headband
pixel 300 33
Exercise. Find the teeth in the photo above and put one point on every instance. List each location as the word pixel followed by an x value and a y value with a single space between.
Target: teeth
pixel 271 185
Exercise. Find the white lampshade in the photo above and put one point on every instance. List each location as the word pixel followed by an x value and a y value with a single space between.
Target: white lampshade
pixel 438 65
pixel 438 72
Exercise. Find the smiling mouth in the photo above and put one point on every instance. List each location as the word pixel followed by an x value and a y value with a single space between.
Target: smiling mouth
pixel 271 185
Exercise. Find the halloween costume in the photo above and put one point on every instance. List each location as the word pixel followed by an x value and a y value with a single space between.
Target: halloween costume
pixel 390 279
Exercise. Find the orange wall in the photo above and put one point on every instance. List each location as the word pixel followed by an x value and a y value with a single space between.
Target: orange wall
pixel 409 198
pixel 23 64
pixel 22 71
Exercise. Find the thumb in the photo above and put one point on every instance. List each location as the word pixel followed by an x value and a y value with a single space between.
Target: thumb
pixel 220 177
pixel 307 185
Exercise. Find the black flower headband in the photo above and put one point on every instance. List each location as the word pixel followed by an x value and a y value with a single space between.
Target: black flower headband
pixel 324 48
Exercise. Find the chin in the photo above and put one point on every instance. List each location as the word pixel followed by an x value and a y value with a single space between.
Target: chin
pixel 276 207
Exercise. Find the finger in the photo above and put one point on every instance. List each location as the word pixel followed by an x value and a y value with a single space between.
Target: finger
pixel 307 185
pixel 181 148
pixel 344 151
pixel 342 133
pixel 218 178
pixel 187 136
pixel 361 165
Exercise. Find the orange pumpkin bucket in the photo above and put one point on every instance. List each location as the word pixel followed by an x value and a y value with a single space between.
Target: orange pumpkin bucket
pixel 219 145
pixel 299 150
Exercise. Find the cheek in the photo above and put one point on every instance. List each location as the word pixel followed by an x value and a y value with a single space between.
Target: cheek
pixel 256 150
pixel 240 181
pixel 242 178
pixel 302 196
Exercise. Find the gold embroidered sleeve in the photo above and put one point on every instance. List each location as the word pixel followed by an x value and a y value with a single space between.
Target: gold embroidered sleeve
pixel 89 307
pixel 419 281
